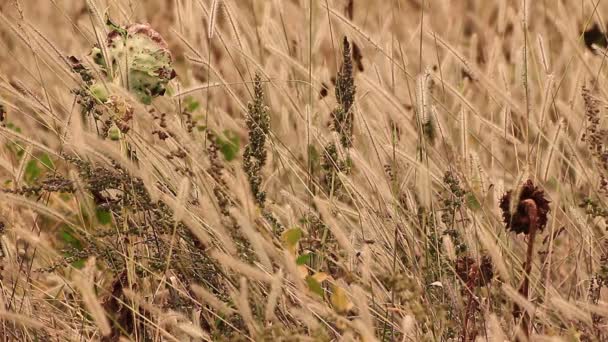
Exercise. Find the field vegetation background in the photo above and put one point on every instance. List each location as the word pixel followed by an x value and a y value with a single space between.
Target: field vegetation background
pixel 303 170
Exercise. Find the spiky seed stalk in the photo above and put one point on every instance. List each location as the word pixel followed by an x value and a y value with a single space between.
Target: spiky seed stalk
pixel 345 95
pixel 258 124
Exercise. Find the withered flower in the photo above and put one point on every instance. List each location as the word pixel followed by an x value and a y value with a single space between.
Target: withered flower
pixel 531 206
pixel 529 216
pixel 473 272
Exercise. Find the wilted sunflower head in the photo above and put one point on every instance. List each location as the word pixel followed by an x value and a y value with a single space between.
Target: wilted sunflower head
pixel 519 220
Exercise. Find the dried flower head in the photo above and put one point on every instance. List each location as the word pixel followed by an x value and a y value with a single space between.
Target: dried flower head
pixel 475 273
pixel 121 112
pixel 140 56
pixel 531 206
pixel 78 68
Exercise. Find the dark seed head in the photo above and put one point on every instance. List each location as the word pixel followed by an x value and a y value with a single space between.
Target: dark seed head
pixel 519 220
pixel 473 272
pixel 595 36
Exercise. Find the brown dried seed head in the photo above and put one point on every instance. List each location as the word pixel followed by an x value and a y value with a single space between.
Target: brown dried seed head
pixel 472 272
pixel 531 198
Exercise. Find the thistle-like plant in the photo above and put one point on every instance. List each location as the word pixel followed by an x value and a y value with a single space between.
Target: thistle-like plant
pixel 525 211
pixel 139 57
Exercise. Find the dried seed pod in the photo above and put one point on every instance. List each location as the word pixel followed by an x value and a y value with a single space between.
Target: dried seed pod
pixel 121 112
pixel 519 220
pixel 99 92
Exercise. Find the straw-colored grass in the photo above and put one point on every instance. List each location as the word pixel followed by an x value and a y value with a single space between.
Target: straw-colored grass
pixel 318 170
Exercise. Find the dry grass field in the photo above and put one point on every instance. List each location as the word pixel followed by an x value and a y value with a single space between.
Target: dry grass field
pixel 303 170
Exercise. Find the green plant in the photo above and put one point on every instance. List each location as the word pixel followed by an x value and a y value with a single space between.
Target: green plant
pixel 139 57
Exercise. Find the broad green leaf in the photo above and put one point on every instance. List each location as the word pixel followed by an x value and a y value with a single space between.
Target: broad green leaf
pixel 103 217
pixel 292 236
pixel 304 259
pixel 229 146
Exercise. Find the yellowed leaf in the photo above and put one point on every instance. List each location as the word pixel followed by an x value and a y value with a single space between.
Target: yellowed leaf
pixel 340 300
pixel 290 239
pixel 320 276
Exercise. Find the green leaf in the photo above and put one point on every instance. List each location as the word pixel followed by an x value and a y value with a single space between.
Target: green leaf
pixel 66 234
pixel 13 127
pixel 12 146
pixel 292 236
pixel 191 104
pixel 20 151
pixel 304 259
pixel 103 217
pixel 46 160
pixel 115 26
pixel 314 286
pixel 32 171
pixel 79 264
pixel 472 202
pixel 229 146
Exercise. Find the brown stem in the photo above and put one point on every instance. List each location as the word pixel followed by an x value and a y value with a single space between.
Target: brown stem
pixel 532 212
pixel 470 287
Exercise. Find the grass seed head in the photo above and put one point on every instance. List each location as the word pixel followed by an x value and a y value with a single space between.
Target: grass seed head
pixel 258 124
